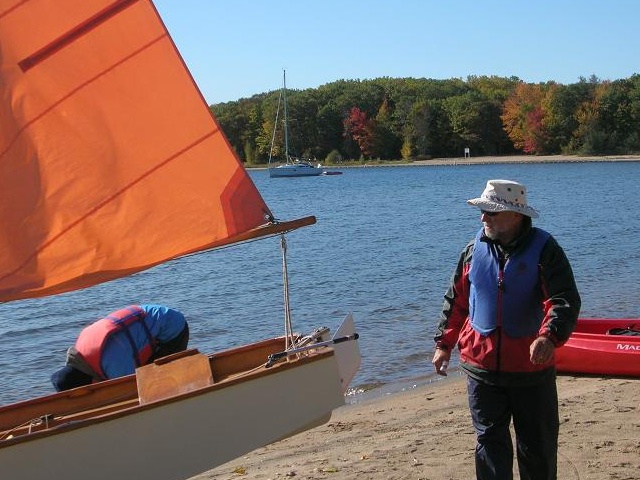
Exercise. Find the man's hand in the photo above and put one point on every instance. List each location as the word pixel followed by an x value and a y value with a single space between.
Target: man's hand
pixel 441 361
pixel 541 350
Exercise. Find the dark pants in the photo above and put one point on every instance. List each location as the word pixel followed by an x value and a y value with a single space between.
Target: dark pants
pixel 534 410
pixel 175 345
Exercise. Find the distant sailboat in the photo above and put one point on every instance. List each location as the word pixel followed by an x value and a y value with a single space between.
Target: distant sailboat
pixel 289 166
pixel 106 144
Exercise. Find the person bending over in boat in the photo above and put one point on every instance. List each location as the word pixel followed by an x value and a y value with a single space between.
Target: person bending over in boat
pixel 122 341
pixel 512 300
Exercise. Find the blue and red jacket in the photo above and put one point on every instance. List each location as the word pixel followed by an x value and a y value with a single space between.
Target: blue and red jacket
pixel 501 299
pixel 126 339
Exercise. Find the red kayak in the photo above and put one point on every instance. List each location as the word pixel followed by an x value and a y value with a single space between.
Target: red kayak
pixel 602 346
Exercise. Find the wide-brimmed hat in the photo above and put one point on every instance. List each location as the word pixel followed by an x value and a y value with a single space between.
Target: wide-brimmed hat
pixel 504 196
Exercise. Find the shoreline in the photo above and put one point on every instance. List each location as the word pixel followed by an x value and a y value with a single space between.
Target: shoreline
pixel 527 159
pixel 507 159
pixel 425 433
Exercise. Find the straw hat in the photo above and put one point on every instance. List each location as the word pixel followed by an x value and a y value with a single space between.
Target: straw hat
pixel 504 196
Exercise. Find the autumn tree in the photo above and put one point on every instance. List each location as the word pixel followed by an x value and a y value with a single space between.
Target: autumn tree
pixel 490 95
pixel 561 119
pixel 524 116
pixel 360 129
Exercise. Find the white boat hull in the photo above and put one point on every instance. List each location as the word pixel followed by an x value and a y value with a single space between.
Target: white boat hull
pixel 179 436
pixel 183 438
pixel 293 170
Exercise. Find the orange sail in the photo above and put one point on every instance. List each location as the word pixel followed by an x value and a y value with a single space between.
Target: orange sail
pixel 110 160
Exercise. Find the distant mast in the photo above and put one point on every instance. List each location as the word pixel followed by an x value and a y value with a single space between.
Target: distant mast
pixel 286 118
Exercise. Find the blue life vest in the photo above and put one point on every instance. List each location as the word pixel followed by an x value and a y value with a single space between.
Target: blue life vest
pixel 516 305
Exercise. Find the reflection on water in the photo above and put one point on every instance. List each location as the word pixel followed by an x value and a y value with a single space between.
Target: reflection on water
pixel 384 247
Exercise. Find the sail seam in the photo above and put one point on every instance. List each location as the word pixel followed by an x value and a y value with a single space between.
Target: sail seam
pixel 108 200
pixel 73 34
pixel 12 8
pixel 77 89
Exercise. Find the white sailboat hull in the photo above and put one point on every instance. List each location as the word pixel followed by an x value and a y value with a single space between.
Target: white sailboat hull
pixel 295 170
pixel 290 166
pixel 179 436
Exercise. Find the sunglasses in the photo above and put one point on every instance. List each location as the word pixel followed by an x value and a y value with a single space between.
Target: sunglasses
pixel 489 214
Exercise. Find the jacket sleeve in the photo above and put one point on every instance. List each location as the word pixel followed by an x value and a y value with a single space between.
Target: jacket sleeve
pixel 562 300
pixel 455 308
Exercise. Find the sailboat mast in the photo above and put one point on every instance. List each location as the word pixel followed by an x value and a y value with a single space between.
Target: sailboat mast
pixel 286 118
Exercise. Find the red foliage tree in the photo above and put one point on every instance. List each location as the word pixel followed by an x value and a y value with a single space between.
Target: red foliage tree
pixel 361 130
pixel 524 116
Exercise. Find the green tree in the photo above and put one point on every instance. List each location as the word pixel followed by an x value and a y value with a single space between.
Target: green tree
pixel 466 119
pixel 492 92
pixel 589 138
pixel 233 121
pixel 269 137
pixel 428 130
pixel 386 144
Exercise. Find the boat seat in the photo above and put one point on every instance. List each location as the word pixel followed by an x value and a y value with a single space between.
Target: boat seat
pixel 173 375
pixel 623 331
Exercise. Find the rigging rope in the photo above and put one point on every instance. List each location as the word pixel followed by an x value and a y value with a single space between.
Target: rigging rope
pixel 275 128
pixel 288 329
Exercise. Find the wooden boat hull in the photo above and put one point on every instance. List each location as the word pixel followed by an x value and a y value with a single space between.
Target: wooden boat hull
pixel 591 350
pixel 105 431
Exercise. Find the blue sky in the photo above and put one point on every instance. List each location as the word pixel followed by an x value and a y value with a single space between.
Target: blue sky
pixel 239 48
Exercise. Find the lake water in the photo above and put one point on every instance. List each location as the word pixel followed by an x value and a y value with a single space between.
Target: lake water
pixel 385 245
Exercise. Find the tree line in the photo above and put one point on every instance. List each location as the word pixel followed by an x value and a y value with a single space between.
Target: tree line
pixel 419 118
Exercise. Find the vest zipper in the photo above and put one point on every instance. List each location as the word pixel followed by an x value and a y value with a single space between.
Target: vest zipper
pixel 501 264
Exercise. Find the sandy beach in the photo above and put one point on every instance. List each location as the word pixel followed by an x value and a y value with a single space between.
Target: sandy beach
pixel 527 159
pixel 425 433
pixel 506 159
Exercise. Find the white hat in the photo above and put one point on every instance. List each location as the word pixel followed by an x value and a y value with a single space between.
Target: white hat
pixel 504 196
